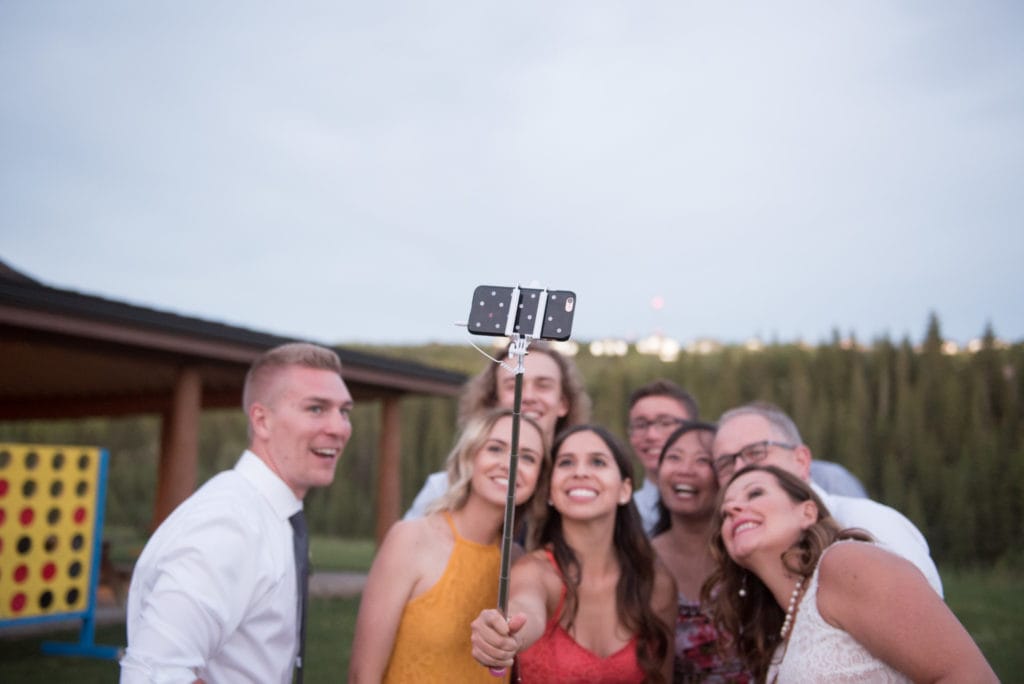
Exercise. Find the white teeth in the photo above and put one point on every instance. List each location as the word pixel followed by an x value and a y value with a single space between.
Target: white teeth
pixel 684 489
pixel 584 493
pixel 326 452
pixel 744 526
pixel 502 481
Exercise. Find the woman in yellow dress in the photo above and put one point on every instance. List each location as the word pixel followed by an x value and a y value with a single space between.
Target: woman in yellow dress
pixel 432 576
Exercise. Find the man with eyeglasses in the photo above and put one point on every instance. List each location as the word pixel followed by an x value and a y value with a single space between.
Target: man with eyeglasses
pixel 762 433
pixel 655 411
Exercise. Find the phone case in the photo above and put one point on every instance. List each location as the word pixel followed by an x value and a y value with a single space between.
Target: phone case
pixel 492 307
pixel 489 312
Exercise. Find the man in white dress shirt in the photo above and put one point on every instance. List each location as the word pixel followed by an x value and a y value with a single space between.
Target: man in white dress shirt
pixel 762 433
pixel 214 596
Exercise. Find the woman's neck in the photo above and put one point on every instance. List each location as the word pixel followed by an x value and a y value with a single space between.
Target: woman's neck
pixel 592 542
pixel 690 533
pixel 684 550
pixel 479 521
pixel 777 578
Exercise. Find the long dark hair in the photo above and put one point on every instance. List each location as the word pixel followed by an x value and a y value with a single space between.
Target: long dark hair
pixel 664 517
pixel 755 619
pixel 632 551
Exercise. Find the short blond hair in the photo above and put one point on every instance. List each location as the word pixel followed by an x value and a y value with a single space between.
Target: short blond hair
pixel 272 361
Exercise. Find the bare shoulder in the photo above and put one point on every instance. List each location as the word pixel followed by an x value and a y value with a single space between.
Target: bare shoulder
pixel 854 576
pixel 535 579
pixel 416 538
pixel 405 532
pixel 853 564
pixel 411 558
pixel 534 569
pixel 534 564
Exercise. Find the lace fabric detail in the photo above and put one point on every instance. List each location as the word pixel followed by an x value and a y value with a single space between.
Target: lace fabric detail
pixel 819 652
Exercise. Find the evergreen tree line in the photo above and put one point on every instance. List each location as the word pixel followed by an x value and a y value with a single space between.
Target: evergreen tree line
pixel 939 437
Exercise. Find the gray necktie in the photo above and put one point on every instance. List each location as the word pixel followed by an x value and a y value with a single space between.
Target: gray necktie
pixel 300 537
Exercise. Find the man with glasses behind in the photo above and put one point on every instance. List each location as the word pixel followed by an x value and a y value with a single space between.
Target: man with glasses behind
pixel 655 411
pixel 762 433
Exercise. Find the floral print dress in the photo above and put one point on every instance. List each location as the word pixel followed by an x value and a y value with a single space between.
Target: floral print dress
pixel 698 658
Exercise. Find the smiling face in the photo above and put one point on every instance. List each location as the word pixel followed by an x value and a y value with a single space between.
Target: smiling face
pixel 300 425
pixel 749 430
pixel 759 517
pixel 686 478
pixel 587 481
pixel 651 420
pixel 543 399
pixel 491 462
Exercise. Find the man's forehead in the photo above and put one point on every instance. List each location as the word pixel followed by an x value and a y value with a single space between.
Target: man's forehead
pixel 540 365
pixel 306 382
pixel 742 430
pixel 659 404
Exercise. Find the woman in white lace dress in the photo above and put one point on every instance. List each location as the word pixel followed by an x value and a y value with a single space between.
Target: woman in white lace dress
pixel 813 603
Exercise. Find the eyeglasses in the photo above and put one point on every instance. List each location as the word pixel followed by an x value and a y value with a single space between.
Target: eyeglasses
pixel 661 423
pixel 752 453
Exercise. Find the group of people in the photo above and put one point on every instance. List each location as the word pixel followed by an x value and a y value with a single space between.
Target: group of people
pixel 731 562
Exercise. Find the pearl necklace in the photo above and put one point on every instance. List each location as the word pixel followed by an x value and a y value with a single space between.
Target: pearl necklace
pixel 792 609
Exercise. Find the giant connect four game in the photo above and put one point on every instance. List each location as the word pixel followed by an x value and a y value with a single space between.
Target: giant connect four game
pixel 51 520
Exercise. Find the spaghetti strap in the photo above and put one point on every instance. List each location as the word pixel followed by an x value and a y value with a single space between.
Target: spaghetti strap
pixel 561 599
pixel 451 524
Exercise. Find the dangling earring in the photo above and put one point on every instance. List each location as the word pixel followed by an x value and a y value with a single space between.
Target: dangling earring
pixel 550 502
pixel 743 586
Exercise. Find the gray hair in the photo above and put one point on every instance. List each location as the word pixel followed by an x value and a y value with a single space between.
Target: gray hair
pixel 778 419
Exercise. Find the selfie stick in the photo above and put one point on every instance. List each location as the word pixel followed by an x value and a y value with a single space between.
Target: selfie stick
pixel 517 350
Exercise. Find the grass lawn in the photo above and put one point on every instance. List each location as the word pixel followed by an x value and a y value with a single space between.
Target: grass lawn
pixel 990 604
pixel 330 631
pixel 991 607
pixel 335 553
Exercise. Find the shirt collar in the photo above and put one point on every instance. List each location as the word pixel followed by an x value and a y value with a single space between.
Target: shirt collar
pixel 265 481
pixel 822 494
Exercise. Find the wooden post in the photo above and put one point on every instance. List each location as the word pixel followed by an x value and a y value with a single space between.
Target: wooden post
pixel 178 469
pixel 389 486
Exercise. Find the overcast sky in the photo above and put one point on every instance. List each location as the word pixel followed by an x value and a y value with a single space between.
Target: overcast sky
pixel 350 171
